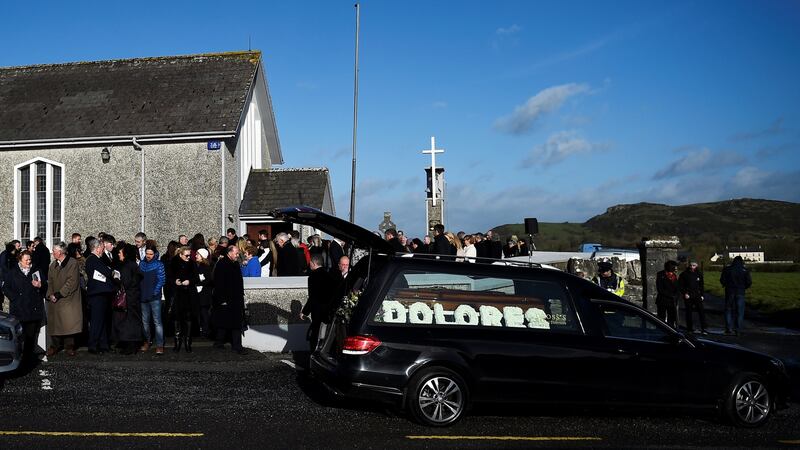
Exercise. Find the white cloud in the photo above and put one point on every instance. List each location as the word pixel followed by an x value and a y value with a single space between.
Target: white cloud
pixel 439 104
pixel 750 177
pixel 558 147
pixel 514 28
pixel 701 161
pixel 545 101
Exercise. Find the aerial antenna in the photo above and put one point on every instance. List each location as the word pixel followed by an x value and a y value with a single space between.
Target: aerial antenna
pixel 248 43
pixel 355 124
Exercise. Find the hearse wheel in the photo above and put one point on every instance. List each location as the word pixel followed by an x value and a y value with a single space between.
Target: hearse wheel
pixel 749 404
pixel 437 397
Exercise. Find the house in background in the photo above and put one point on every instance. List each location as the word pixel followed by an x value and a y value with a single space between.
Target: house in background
pixel 164 145
pixel 749 254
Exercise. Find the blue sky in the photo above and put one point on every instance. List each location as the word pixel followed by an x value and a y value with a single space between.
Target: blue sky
pixel 555 110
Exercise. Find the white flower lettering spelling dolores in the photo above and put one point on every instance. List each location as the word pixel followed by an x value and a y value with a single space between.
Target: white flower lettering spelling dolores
pixel 466 315
pixel 491 316
pixel 394 312
pixel 515 317
pixel 537 318
pixel 421 313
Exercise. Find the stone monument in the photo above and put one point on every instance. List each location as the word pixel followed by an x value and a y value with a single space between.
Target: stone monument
pixel 653 253
pixel 434 202
pixel 387 222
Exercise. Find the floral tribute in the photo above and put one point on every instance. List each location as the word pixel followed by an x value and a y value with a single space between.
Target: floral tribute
pixel 345 310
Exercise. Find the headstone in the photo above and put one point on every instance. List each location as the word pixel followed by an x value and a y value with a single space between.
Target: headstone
pixel 653 253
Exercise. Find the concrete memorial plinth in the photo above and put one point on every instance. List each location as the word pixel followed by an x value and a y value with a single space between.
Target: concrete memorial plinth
pixel 654 252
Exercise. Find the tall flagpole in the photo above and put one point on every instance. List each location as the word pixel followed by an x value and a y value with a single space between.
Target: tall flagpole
pixel 355 124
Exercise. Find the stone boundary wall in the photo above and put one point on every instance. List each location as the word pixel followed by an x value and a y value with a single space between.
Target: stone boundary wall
pixel 630 271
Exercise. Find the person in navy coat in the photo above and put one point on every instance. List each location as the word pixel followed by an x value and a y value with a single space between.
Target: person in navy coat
pixel 23 286
pixel 100 290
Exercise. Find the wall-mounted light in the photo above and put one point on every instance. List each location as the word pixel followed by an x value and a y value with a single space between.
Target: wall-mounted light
pixel 230 217
pixel 105 155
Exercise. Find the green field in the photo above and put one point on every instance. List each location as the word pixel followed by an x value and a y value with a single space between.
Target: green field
pixel 770 293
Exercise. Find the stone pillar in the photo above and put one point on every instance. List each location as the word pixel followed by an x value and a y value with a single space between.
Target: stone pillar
pixel 654 252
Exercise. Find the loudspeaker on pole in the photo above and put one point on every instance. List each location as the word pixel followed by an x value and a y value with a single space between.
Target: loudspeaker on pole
pixel 531 226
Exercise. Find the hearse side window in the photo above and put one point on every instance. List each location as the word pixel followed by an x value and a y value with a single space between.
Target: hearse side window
pixel 418 298
pixel 625 323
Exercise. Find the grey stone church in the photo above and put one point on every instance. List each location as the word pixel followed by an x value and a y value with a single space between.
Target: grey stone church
pixel 164 145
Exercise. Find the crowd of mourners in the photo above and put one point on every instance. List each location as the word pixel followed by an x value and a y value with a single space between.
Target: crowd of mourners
pixel 466 247
pixel 121 296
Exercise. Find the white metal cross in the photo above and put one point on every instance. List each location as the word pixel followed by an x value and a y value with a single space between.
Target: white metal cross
pixel 433 151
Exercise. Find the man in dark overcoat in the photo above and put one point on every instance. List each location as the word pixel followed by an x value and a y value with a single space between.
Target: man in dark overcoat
pixel 99 289
pixel 41 257
pixel 692 289
pixel 668 292
pixel 320 299
pixel 335 252
pixel 227 314
pixel 288 259
pixel 441 246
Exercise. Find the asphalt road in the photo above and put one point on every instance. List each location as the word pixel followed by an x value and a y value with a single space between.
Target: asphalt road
pixel 216 399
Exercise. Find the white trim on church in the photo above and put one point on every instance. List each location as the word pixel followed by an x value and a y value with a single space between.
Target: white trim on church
pixel 53 206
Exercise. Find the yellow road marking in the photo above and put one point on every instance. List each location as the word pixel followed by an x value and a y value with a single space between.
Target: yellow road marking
pixel 794 442
pixel 96 434
pixel 507 438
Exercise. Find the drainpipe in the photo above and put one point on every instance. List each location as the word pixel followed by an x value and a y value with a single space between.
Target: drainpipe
pixel 222 214
pixel 138 147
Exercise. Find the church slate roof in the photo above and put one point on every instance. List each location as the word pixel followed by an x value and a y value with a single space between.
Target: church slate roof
pixel 276 188
pixel 130 97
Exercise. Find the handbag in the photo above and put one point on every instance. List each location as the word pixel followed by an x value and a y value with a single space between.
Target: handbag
pixel 120 300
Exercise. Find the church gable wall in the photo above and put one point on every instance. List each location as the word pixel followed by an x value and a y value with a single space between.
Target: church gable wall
pixel 182 190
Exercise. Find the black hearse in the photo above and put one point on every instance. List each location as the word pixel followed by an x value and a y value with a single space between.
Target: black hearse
pixel 435 336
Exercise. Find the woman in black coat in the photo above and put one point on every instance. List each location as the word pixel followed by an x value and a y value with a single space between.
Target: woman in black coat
pixel 227 313
pixel 668 293
pixel 183 278
pixel 169 289
pixel 127 323
pixel 204 290
pixel 23 287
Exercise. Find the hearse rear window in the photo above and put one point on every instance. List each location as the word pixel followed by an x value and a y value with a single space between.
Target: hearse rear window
pixel 442 299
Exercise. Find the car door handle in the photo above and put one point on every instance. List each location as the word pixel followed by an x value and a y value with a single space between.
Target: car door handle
pixel 630 353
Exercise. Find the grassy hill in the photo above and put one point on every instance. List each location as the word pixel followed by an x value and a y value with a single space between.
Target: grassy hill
pixel 702 228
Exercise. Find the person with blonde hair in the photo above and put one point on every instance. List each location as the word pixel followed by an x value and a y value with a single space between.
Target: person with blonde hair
pixel 204 286
pixel 212 246
pixel 455 245
pixel 185 307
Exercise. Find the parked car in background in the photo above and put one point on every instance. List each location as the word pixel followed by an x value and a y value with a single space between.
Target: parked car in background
pixel 435 337
pixel 10 343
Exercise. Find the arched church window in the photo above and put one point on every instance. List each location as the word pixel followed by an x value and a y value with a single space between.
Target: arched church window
pixel 39 200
